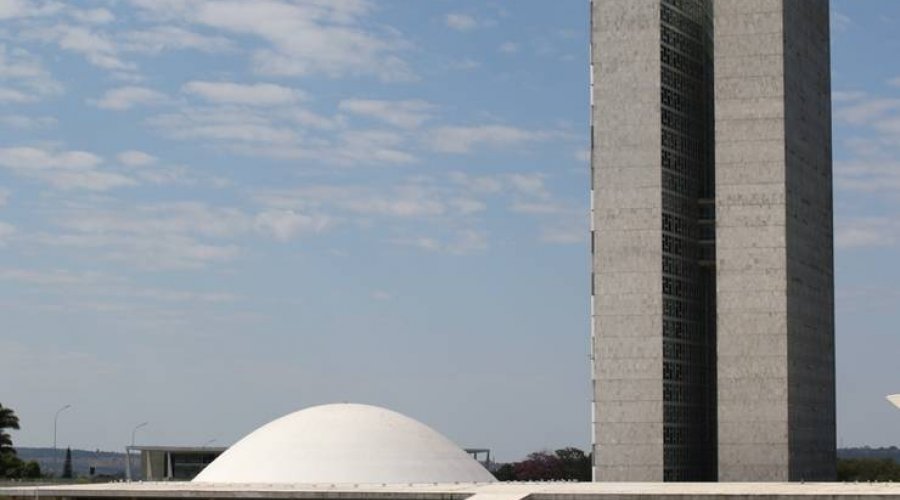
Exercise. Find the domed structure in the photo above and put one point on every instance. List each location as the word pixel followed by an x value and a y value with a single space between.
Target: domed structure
pixel 344 444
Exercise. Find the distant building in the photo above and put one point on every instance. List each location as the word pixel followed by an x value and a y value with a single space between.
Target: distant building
pixel 173 463
pixel 712 241
pixel 359 452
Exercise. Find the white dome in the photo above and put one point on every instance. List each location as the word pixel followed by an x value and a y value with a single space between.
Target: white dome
pixel 344 443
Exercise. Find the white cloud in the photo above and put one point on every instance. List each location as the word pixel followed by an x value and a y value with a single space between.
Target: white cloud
pixel 842 96
pixel 23 78
pixel 465 64
pixel 4 197
pixel 27 122
pixel 47 277
pixel 866 232
pixel 865 111
pixel 284 225
pixel 463 242
pixel 889 126
pixel 566 231
pixel 467 206
pixel 93 16
pixel 382 295
pixel 185 234
pixel 95 47
pixel 28 158
pixel 313 37
pixel 165 235
pixel 537 208
pixel 465 139
pixel 258 94
pixel 11 9
pixel 147 251
pixel 12 95
pixel 508 48
pixel 582 155
pixel 159 39
pixel 135 158
pixel 6 231
pixel 437 203
pixel 63 170
pixel 840 22
pixel 404 114
pixel 402 201
pixel 369 146
pixel 226 125
pixel 163 218
pixel 868 176
pixel 123 98
pixel 274 133
pixel 527 194
pixel 460 22
pixel 528 184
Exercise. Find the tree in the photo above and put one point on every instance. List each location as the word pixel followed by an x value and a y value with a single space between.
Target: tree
pixel 868 469
pixel 10 465
pixel 8 420
pixel 67 466
pixel 566 464
pixel 30 470
pixel 575 464
pixel 506 472
pixel 539 466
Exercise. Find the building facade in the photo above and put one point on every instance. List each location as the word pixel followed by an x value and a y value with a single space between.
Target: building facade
pixel 712 286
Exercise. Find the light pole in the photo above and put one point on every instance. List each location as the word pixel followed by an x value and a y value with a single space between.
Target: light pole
pixel 55 421
pixel 133 431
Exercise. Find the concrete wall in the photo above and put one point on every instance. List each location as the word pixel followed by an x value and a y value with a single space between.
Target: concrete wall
pixel 773 241
pixel 751 261
pixel 626 234
pixel 810 300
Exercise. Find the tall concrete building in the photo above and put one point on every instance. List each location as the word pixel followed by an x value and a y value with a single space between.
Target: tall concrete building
pixel 712 245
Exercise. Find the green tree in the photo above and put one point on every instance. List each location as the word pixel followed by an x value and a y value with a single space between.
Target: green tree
pixel 67 466
pixel 506 472
pixel 868 469
pixel 10 465
pixel 567 464
pixel 575 464
pixel 8 420
pixel 30 470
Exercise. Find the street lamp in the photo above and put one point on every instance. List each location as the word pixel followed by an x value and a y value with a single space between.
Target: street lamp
pixel 894 399
pixel 133 431
pixel 55 421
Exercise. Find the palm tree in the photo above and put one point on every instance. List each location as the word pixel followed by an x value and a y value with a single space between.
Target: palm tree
pixel 8 420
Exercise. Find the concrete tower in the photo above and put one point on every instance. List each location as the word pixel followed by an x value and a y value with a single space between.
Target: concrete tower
pixel 712 289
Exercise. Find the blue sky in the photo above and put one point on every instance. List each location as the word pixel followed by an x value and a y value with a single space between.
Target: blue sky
pixel 216 212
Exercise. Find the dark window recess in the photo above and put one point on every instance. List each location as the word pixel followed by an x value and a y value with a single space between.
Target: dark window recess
pixel 688 236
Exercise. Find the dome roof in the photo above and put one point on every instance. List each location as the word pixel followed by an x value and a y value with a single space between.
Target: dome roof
pixel 344 443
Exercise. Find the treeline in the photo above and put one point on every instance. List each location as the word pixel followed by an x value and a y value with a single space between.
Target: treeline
pixel 868 469
pixel 566 464
pixel 891 452
pixel 572 464
pixel 11 466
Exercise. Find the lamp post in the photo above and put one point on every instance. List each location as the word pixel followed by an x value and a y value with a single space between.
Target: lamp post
pixel 133 431
pixel 55 421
